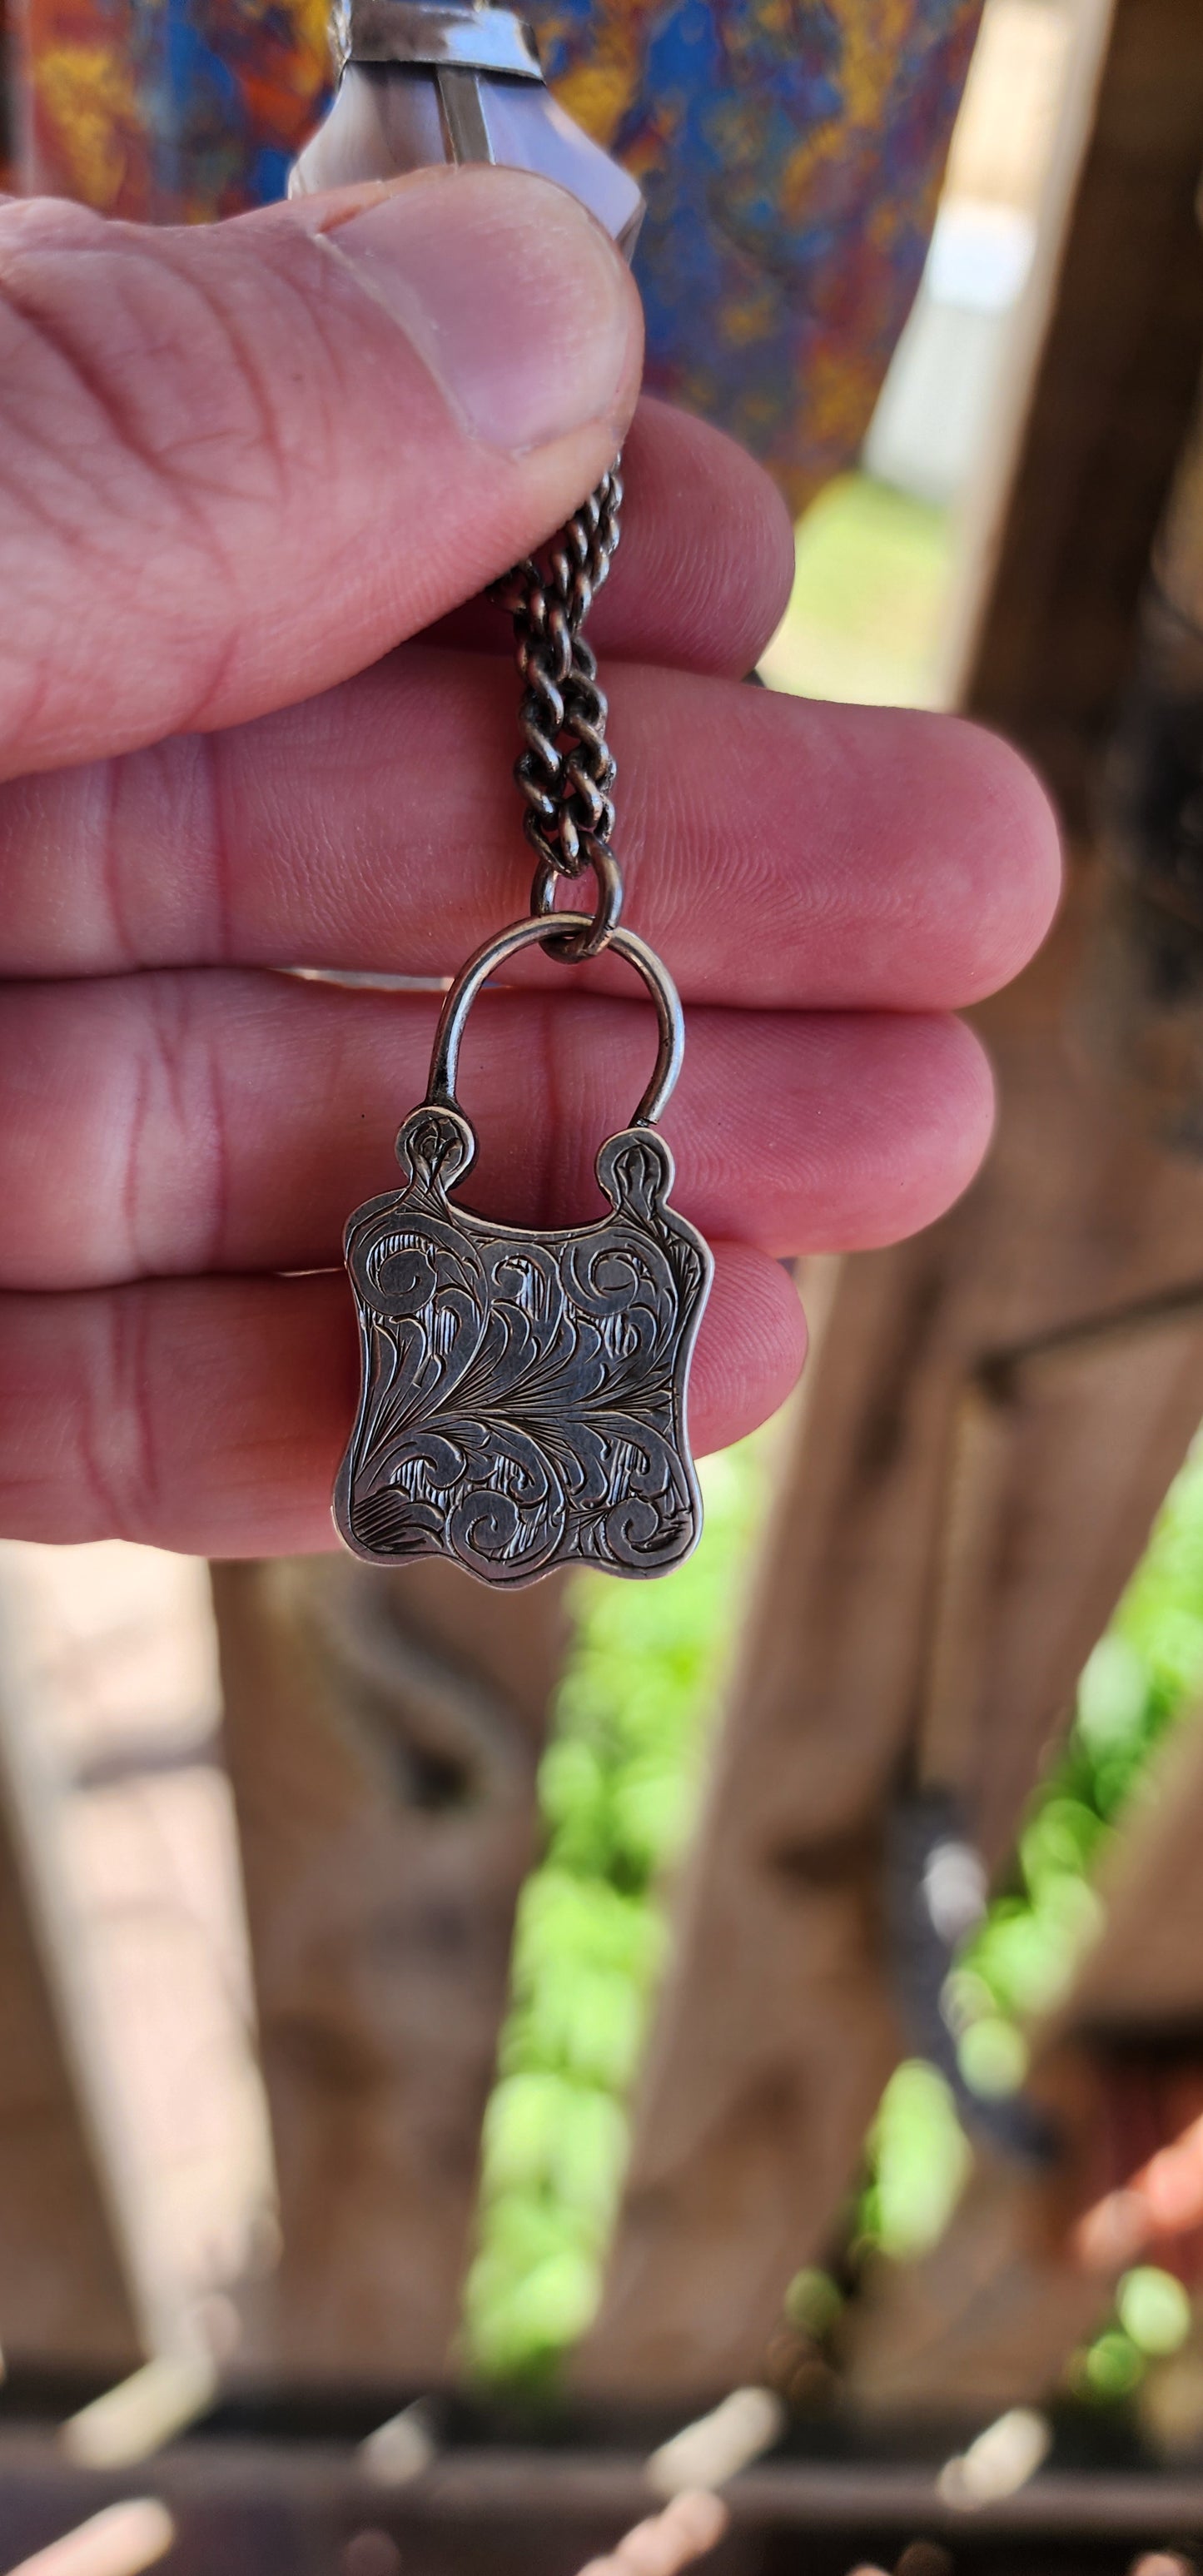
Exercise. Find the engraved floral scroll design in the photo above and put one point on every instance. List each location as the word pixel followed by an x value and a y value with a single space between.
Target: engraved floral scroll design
pixel 523 1395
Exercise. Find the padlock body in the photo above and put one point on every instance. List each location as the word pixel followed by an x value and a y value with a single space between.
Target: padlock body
pixel 523 1399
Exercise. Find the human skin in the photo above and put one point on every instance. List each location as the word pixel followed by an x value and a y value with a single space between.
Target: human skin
pixel 248 477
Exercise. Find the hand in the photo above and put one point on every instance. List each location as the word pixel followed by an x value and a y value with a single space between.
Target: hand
pixel 236 466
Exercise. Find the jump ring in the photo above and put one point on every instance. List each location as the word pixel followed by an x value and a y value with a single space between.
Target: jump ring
pixel 597 933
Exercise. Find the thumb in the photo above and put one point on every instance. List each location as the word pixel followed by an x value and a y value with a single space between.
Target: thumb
pixel 238 463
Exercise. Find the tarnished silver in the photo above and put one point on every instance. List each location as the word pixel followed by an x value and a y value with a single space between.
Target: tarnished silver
pixel 495 952
pixel 566 770
pixel 524 1394
pixel 462 47
pixel 433 32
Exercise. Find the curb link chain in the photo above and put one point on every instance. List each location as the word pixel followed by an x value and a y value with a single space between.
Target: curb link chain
pixel 566 770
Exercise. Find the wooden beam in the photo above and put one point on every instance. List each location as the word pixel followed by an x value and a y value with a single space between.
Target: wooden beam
pixel 924 1610
pixel 996 1410
pixel 996 2309
pixel 989 2318
pixel 76 2289
pixel 382 1734
pixel 1112 402
pixel 1145 1973
pixel 1048 1510
pixel 277 2509
pixel 64 2296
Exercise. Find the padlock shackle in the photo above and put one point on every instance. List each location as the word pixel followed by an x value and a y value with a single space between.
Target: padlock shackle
pixel 444 1062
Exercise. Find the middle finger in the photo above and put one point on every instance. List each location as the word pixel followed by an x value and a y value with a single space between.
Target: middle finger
pixel 778 852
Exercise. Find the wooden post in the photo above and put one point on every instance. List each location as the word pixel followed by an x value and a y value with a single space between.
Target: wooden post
pixel 382 1734
pixel 64 2294
pixel 996 1410
pixel 79 2289
pixel 927 1602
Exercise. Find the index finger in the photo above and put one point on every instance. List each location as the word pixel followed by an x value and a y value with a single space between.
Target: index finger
pixel 779 853
pixel 703 575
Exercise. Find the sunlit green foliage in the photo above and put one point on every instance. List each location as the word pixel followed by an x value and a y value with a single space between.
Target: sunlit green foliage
pixel 1153 2310
pixel 1142 1674
pixel 813 2303
pixel 619 1788
pixel 867 616
pixel 1108 2369
pixel 918 2157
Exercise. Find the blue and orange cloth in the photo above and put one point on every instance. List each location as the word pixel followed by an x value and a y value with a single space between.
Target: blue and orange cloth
pixel 790 151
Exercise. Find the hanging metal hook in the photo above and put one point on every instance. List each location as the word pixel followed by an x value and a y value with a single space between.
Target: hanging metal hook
pixel 444 1062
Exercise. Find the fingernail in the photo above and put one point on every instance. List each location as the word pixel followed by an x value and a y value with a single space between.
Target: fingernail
pixel 512 295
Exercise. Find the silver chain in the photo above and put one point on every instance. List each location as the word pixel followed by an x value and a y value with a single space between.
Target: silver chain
pixel 566 770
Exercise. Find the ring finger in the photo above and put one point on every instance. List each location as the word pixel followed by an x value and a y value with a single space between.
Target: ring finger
pixel 226 1120
pixel 208 1415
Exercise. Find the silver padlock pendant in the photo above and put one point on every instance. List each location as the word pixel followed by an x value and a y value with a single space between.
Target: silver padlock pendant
pixel 430 81
pixel 523 1394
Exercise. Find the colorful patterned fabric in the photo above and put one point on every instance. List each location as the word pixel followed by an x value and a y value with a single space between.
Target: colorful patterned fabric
pixel 790 150
pixel 8 176
pixel 169 111
pixel 791 154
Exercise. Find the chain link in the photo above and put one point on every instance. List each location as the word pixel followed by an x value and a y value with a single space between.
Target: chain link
pixel 566 769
